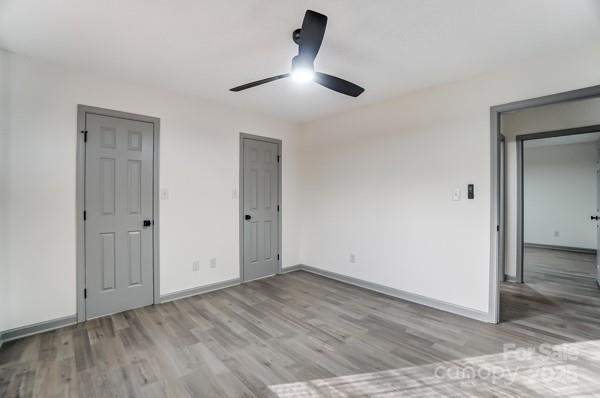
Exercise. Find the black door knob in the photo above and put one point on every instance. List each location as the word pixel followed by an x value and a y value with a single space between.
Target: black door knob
pixel 247 216
pixel 595 218
pixel 147 223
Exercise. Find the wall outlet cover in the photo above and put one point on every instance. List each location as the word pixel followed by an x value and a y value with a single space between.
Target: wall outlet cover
pixel 213 263
pixel 196 266
pixel 352 258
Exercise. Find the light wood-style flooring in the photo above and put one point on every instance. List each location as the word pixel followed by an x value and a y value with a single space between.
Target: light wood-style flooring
pixel 304 335
pixel 538 262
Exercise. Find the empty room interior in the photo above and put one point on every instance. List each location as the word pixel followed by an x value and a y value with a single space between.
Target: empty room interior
pixel 560 206
pixel 260 198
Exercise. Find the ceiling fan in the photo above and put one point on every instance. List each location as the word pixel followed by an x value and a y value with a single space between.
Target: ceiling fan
pixel 309 39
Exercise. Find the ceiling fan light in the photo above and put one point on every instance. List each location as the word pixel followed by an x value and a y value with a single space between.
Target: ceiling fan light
pixel 303 75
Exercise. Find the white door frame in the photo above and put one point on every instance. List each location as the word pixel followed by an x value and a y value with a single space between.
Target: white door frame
pixel 82 112
pixel 278 142
pixel 496 275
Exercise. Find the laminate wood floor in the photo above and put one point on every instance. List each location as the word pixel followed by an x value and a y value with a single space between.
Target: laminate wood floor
pixel 539 262
pixel 300 334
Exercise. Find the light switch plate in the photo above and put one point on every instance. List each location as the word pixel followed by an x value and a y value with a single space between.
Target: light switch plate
pixel 456 195
pixel 164 194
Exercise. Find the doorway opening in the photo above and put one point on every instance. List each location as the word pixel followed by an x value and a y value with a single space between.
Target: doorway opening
pixel 524 123
pixel 557 275
pixel 557 205
pixel 117 212
pixel 260 207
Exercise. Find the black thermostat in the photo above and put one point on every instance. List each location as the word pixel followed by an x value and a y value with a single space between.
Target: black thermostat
pixel 470 191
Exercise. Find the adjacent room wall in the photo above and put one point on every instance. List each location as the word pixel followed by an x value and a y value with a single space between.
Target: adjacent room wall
pixel 530 121
pixel 378 182
pixel 560 195
pixel 199 165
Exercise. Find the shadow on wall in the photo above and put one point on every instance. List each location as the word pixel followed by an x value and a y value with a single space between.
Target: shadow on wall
pixel 4 184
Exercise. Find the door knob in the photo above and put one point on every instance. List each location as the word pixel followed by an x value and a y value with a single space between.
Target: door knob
pixel 595 218
pixel 147 223
pixel 247 216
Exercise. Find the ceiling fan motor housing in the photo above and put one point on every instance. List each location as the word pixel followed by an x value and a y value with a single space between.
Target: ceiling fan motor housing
pixel 299 62
pixel 296 36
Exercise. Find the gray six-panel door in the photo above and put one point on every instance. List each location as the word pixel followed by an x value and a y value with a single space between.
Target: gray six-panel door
pixel 118 199
pixel 260 203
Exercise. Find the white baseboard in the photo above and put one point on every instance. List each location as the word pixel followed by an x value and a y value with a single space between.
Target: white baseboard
pixel 401 294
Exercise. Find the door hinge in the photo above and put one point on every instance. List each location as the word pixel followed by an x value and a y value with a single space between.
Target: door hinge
pixel 277 207
pixel 84 132
pixel 84 215
pixel 278 158
pixel 84 293
pixel 278 257
pixel 498 228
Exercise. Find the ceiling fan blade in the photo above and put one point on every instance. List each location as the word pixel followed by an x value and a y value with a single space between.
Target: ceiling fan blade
pixel 259 82
pixel 311 35
pixel 337 84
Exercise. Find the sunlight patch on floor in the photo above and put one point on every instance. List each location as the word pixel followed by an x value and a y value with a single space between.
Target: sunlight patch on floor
pixel 546 371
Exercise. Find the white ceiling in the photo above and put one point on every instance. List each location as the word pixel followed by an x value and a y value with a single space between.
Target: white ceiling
pixel 203 48
pixel 587 138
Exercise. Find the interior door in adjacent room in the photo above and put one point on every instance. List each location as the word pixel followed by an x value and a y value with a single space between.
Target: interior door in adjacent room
pixel 118 214
pixel 260 208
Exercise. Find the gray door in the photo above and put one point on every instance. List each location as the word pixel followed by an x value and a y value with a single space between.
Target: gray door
pixel 260 199
pixel 118 198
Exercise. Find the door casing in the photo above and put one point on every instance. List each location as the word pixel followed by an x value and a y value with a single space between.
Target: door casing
pixel 502 206
pixel 82 111
pixel 278 142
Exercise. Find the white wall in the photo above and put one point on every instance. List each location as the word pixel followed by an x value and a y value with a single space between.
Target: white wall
pixel 375 181
pixel 535 120
pixel 560 194
pixel 378 181
pixel 199 164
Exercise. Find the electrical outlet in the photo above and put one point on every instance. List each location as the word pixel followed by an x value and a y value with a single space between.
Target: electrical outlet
pixel 352 258
pixel 196 266
pixel 213 263
pixel 556 234
pixel 234 194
